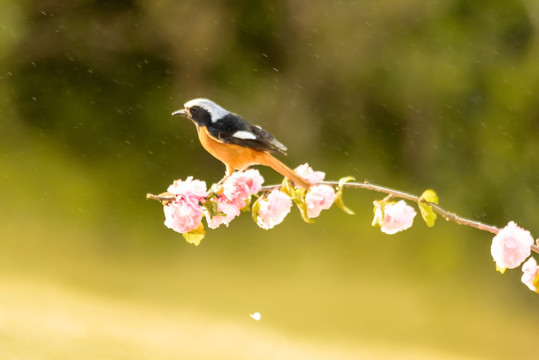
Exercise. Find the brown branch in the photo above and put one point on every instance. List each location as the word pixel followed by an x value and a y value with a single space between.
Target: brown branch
pixel 161 197
pixel 449 216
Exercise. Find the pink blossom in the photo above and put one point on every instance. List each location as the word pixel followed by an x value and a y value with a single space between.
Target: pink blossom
pixel 511 246
pixel 306 172
pixel 319 197
pixel 189 188
pixel 531 272
pixel 395 217
pixel 231 209
pixel 182 215
pixel 185 213
pixel 240 185
pixel 273 209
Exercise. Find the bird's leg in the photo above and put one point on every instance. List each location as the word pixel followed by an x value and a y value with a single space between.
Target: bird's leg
pixel 216 187
pixel 245 168
pixel 228 173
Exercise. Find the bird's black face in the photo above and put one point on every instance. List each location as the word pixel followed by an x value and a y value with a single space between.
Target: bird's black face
pixel 197 114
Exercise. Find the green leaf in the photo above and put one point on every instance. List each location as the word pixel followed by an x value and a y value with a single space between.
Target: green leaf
pixel 500 270
pixel 298 197
pixel 288 188
pixel 256 209
pixel 344 180
pixel 246 207
pixel 338 196
pixel 378 212
pixel 428 215
pixel 211 207
pixel 536 283
pixel 430 196
pixel 302 206
pixel 194 237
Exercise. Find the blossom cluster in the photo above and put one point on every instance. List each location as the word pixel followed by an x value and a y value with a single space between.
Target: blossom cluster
pixel 219 206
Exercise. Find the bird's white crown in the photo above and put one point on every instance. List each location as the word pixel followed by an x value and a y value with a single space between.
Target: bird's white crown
pixel 216 112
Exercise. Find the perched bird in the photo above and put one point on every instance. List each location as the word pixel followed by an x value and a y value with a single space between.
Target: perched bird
pixel 234 141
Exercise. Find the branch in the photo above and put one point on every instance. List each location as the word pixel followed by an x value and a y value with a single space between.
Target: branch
pixel 449 216
pixel 165 197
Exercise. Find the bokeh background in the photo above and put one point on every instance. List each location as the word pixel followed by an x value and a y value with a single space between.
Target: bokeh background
pixel 409 94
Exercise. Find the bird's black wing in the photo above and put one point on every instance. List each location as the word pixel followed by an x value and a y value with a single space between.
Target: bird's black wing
pixel 232 129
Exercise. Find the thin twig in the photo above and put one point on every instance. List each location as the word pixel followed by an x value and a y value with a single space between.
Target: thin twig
pixel 449 216
pixel 161 198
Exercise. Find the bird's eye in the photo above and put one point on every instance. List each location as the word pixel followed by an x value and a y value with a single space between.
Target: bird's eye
pixel 193 110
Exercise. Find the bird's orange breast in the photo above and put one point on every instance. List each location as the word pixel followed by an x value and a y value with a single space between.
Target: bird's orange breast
pixel 235 156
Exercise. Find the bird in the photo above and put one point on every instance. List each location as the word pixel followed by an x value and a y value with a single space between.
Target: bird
pixel 236 142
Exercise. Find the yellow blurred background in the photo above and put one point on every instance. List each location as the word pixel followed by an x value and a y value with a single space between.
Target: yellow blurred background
pixel 406 93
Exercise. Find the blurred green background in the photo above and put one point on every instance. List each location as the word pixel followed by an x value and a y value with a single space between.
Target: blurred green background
pixel 405 93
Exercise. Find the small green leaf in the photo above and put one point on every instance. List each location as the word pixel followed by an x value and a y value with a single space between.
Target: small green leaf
pixel 378 212
pixel 302 206
pixel 536 283
pixel 339 202
pixel 211 207
pixel 344 180
pixel 500 270
pixel 194 237
pixel 287 187
pixel 256 209
pixel 428 215
pixel 298 197
pixel 430 196
pixel 247 203
pixel 338 196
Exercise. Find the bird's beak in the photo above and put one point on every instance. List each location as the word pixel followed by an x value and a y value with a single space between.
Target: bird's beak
pixel 180 112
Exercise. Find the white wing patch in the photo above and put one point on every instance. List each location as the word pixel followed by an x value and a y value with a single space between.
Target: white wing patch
pixel 245 135
pixel 216 112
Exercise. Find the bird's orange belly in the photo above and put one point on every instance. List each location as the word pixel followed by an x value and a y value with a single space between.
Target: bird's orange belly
pixel 235 156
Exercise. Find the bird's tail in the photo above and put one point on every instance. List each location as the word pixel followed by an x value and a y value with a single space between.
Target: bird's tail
pixel 285 171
